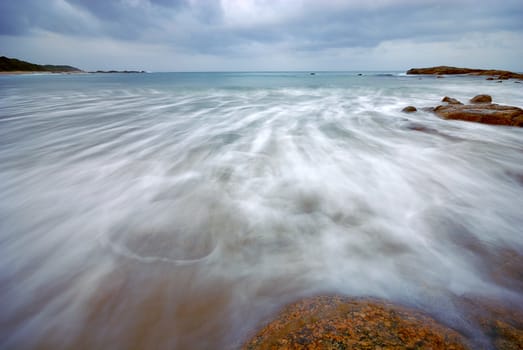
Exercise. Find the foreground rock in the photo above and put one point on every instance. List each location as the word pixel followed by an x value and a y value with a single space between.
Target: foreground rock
pixel 439 70
pixel 481 111
pixel 330 322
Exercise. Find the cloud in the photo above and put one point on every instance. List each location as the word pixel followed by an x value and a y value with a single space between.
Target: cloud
pixel 232 30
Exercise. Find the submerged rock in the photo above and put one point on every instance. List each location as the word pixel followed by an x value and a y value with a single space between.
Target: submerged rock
pixel 409 109
pixel 481 99
pixel 481 111
pixel 498 319
pixel 332 322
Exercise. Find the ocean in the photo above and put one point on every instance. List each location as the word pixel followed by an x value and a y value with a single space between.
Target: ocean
pixel 182 210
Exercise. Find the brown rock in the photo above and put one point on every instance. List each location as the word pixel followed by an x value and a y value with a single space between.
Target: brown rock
pixel 441 70
pixel 332 322
pixel 451 101
pixel 481 99
pixel 483 113
pixel 503 74
pixel 409 109
pixel 490 78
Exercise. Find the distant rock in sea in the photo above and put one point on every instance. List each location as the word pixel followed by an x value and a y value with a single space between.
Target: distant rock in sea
pixel 14 65
pixel 447 70
pixel 119 71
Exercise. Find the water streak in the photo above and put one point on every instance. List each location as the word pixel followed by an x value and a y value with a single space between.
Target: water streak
pixel 177 211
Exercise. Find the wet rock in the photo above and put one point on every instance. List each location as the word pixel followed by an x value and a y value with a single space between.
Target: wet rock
pixel 483 113
pixel 409 109
pixel 451 101
pixel 501 322
pixel 481 99
pixel 332 322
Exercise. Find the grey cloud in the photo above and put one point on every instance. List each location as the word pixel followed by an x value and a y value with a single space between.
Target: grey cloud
pixel 314 27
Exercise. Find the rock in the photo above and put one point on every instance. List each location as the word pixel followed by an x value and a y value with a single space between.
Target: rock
pixel 409 109
pixel 503 74
pixel 481 99
pixel 451 101
pixel 500 321
pixel 441 70
pixel 332 322
pixel 490 78
pixel 483 113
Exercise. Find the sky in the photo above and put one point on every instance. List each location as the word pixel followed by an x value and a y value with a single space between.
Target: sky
pixel 264 35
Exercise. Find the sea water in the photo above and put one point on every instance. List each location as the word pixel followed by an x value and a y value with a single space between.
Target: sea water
pixel 181 210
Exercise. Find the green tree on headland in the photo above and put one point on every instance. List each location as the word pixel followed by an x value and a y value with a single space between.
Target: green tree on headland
pixel 12 65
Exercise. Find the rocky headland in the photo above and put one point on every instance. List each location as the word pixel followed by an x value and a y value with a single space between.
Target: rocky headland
pixel 13 66
pixel 446 70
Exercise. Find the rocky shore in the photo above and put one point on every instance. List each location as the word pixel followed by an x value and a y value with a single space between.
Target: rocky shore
pixel 480 109
pixel 446 70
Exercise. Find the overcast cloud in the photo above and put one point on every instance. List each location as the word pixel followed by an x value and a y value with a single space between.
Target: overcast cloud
pixel 193 35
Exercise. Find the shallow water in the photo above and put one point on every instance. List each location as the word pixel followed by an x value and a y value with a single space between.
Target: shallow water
pixel 180 210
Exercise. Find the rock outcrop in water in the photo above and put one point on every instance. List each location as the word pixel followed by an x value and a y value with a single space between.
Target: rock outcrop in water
pixel 451 101
pixel 481 110
pixel 481 99
pixel 332 322
pixel 409 109
pixel 439 70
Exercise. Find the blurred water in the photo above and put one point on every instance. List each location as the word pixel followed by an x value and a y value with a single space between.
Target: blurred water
pixel 179 210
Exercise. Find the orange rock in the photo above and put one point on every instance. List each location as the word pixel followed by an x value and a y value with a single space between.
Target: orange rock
pixel 333 322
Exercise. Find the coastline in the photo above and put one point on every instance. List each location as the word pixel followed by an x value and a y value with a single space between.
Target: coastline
pixel 38 73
